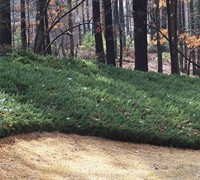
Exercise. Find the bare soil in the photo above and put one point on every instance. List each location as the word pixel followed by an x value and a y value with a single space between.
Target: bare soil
pixel 61 156
pixel 152 64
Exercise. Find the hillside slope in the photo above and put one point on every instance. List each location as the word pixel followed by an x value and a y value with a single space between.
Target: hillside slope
pixel 71 95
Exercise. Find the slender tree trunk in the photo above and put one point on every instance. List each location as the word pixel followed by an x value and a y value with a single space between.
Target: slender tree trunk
pixel 13 26
pixel 122 22
pixel 180 31
pixel 5 28
pixel 185 25
pixel 159 48
pixel 127 18
pixel 197 28
pixel 83 18
pixel 23 25
pixel 42 36
pixel 29 24
pixel 88 15
pixel 79 27
pixel 116 27
pixel 47 39
pixel 192 23
pixel 70 21
pixel 140 34
pixel 172 31
pixel 98 31
pixel 110 50
pixel 164 18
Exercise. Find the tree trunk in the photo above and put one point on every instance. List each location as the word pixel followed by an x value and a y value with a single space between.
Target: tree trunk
pixel 127 18
pixel 71 38
pixel 122 23
pixel 140 34
pixel 83 18
pixel 172 31
pixel 185 25
pixel 13 26
pixel 29 24
pixel 23 25
pixel 42 36
pixel 47 39
pixel 180 31
pixel 5 28
pixel 116 27
pixel 192 23
pixel 164 18
pixel 98 31
pixel 110 50
pixel 88 15
pixel 159 48
pixel 197 28
pixel 79 27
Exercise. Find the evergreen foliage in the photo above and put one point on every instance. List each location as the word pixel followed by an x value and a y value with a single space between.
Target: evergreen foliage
pixel 76 96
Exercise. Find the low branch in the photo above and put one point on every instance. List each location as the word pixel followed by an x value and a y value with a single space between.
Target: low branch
pixel 195 64
pixel 57 21
pixel 63 33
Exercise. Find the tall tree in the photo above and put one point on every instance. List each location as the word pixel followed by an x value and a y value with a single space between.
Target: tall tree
pixel 172 32
pixel 88 15
pixel 23 24
pixel 159 48
pixel 42 38
pixel 110 50
pixel 180 31
pixel 98 31
pixel 83 17
pixel 70 22
pixel 197 28
pixel 122 22
pixel 192 23
pixel 115 25
pixel 140 34
pixel 5 27
pixel 127 17
pixel 29 24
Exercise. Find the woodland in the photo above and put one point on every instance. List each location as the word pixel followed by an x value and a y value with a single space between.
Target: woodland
pixel 112 30
pixel 75 73
pixel 63 67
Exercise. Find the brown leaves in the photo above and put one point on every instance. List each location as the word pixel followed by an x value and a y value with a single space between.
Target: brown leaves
pixel 191 41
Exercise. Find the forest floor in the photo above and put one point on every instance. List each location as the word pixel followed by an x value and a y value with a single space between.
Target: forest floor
pixel 152 63
pixel 129 63
pixel 64 156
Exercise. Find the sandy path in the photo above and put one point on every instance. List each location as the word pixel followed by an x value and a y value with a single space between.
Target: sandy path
pixel 59 156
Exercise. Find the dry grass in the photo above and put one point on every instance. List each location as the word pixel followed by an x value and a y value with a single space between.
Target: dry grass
pixel 60 156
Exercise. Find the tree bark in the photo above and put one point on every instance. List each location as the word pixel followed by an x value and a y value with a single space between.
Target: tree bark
pixel 70 22
pixel 122 23
pixel 110 50
pixel 159 48
pixel 5 28
pixel 140 34
pixel 115 25
pixel 98 31
pixel 23 25
pixel 42 38
pixel 172 32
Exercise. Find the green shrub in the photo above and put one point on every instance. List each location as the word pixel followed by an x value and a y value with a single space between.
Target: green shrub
pixel 88 42
pixel 75 96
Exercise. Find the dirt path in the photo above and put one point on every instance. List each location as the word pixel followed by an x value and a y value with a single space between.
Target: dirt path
pixel 59 156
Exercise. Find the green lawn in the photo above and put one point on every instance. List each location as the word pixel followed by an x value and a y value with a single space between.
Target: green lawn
pixel 76 96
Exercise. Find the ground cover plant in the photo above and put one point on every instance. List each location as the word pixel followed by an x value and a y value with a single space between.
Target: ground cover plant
pixel 76 96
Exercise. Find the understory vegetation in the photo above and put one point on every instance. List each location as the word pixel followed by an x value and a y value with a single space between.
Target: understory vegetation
pixel 76 96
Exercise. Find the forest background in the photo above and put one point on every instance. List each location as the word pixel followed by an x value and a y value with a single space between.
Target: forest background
pixel 113 30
